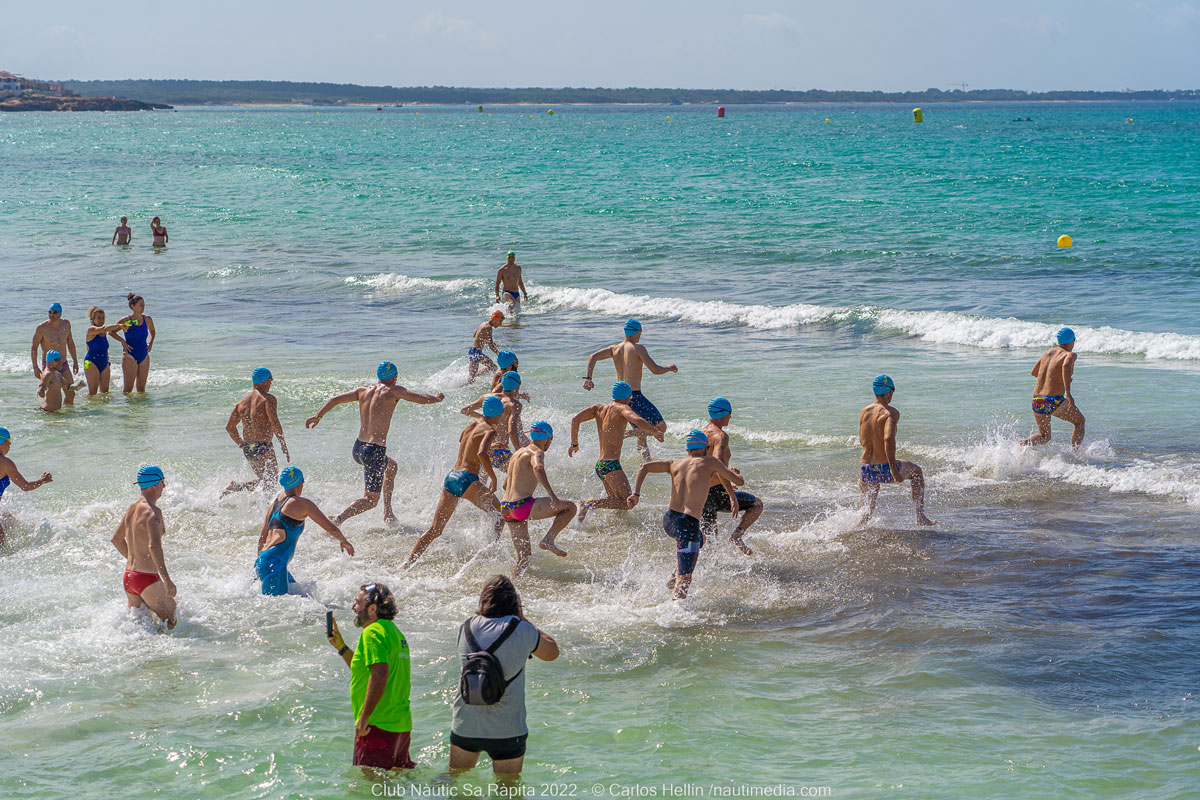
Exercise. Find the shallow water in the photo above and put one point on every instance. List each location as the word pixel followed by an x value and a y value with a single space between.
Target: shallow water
pixel 1040 640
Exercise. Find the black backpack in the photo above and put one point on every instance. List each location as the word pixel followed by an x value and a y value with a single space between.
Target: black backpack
pixel 482 682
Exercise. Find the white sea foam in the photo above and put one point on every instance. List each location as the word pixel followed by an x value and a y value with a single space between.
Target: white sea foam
pixel 391 282
pixel 681 429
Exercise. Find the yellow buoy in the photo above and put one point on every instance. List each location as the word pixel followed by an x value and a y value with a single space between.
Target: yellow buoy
pixel 531 116
pixel 1065 241
pixel 668 116
pixel 827 119
pixel 551 112
pixel 918 116
pixel 1130 119
pixel 489 115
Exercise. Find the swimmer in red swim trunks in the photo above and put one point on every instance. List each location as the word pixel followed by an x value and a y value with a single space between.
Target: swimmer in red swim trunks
pixel 139 540
pixel 526 469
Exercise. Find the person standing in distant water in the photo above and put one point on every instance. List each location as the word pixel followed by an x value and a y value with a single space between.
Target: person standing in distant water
pixel 281 530
pixel 376 404
pixel 1052 392
pixel 96 366
pixel 628 358
pixel 691 477
pixel 9 474
pixel 720 498
pixel 476 358
pixel 877 425
pixel 158 232
pixel 508 279
pixel 139 540
pixel 122 235
pixel 55 387
pixel 53 334
pixel 526 470
pixel 139 341
pixel 258 414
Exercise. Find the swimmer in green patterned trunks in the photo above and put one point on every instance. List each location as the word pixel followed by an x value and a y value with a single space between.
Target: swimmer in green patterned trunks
pixel 258 414
pixel 463 482
pixel 476 357
pixel 611 421
pixel 1052 392
pixel 508 426
pixel 877 432
pixel 526 470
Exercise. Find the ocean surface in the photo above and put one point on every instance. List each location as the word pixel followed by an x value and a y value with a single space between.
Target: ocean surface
pixel 1041 641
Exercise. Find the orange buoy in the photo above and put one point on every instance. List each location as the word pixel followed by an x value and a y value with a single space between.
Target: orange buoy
pixel 720 112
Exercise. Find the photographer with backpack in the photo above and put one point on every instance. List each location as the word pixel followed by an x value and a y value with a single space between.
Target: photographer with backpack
pixel 489 711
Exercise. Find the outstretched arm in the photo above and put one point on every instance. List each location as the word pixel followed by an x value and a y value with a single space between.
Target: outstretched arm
pixel 644 470
pixel 336 400
pixel 7 467
pixel 580 418
pixel 318 516
pixel 593 359
pixel 650 363
pixel 472 410
pixel 418 398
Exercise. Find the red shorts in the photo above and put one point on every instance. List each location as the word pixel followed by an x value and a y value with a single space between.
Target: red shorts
pixel 138 582
pixel 383 749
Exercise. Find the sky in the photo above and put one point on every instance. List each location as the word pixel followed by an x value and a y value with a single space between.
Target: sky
pixel 891 45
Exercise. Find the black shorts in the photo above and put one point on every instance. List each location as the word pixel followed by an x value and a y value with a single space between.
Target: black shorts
pixel 256 450
pixel 718 503
pixel 685 530
pixel 497 749
pixel 373 458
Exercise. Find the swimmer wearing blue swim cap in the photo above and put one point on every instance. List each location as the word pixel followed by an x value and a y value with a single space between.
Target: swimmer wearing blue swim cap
pixel 719 499
pixel 9 474
pixel 477 357
pixel 290 478
pixel 510 382
pixel 696 440
pixel 257 414
pixel 282 528
pixel 526 471
pixel 386 371
pixel 1054 372
pixel 540 431
pixel 882 385
pixel 55 385
pixel 149 476
pixel 260 375
pixel 877 425
pixel 139 539
pixel 719 407
pixel 492 406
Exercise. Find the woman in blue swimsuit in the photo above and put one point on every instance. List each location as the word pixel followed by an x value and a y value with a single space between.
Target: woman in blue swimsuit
pixel 10 474
pixel 96 365
pixel 139 340
pixel 281 530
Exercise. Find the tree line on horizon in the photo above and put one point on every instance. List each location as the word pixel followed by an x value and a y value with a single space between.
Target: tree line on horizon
pixel 194 92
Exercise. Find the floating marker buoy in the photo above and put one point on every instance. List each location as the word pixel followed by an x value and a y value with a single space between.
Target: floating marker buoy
pixel 1065 241
pixel 489 115
pixel 668 116
pixel 827 119
pixel 379 108
pixel 481 110
pixel 1129 120
pixel 531 116
pixel 720 112
pixel 551 112
pixel 918 116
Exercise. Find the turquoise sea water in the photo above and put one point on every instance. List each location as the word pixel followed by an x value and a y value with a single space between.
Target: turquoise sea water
pixel 1041 641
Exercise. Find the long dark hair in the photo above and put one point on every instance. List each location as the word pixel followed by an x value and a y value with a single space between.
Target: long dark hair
pixel 499 598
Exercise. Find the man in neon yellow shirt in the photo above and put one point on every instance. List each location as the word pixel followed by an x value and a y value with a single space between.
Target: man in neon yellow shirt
pixel 380 672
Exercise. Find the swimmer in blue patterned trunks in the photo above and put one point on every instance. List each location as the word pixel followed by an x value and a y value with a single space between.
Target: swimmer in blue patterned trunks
pixel 1052 392
pixel 877 432
pixel 476 357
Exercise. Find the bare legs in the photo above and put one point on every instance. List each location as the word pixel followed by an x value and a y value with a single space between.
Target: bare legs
pixel 134 374
pixel 508 769
pixel 1068 412
pixel 265 467
pixel 908 472
pixel 155 598
pixel 474 367
pixel 708 525
pixel 641 436
pixel 563 511
pixel 371 499
pixel 475 494
pixel 617 486
pixel 97 381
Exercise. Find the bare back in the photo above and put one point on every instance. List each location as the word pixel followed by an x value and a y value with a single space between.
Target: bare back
pixel 474 437
pixel 142 527
pixel 690 478
pixel 874 424
pixel 628 359
pixel 611 424
pixel 1054 371
pixel 53 385
pixel 521 480
pixel 255 414
pixel 376 404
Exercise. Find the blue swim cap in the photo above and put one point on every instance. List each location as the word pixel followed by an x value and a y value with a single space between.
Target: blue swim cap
pixel 506 358
pixel 260 375
pixel 696 440
pixel 882 385
pixel 56 307
pixel 149 475
pixel 510 381
pixel 291 477
pixel 632 326
pixel 5 436
pixel 53 355
pixel 385 371
pixel 719 407
pixel 1065 336
pixel 621 390
pixel 540 431
pixel 493 406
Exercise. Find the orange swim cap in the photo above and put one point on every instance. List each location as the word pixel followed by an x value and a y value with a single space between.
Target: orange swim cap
pixel 497 314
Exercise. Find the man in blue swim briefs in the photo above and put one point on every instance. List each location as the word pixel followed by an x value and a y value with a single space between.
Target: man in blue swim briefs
pixel 477 359
pixel 877 433
pixel 463 482
pixel 629 357
pixel 508 426
pixel 611 421
pixel 526 470
pixel 691 477
pixel 376 404
pixel 258 414
pixel 1052 392
pixel 509 280
pixel 720 498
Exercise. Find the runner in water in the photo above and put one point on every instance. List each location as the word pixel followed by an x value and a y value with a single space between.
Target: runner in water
pixel 376 404
pixel 476 358
pixel 474 447
pixel 507 361
pixel 509 280
pixel 53 334
pixel 1052 392
pixel 691 477
pixel 158 232
pixel 611 420
pixel 525 471
pixel 258 414
pixel 122 235
pixel 96 366
pixel 720 498
pixel 877 431
pixel 282 528
pixel 139 540
pixel 55 388
pixel 629 357
pixel 9 474
pixel 508 426
pixel 139 340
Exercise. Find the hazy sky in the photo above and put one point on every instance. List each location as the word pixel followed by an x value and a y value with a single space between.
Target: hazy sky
pixel 832 44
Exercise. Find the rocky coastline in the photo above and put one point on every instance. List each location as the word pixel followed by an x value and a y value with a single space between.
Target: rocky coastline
pixel 44 102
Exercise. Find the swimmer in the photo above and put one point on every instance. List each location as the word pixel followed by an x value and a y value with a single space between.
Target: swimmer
pixel 476 358
pixel 96 366
pixel 1052 392
pixel 721 497
pixel 508 278
pixel 53 334
pixel 877 431
pixel 139 540
pixel 526 470
pixel 258 414
pixel 55 389
pixel 508 425
pixel 282 528
pixel 507 361
pixel 9 474
pixel 691 477
pixel 628 358
pixel 139 338
pixel 376 404
pixel 158 232
pixel 122 235
pixel 463 482
pixel 611 421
